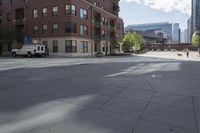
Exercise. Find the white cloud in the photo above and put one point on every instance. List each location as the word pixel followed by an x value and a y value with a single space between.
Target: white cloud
pixel 183 6
pixel 137 1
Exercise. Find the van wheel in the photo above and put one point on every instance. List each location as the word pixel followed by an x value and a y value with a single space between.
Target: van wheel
pixel 14 54
pixel 29 54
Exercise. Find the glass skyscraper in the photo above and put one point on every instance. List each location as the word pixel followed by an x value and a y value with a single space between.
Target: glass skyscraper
pixel 195 21
pixel 176 33
pixel 163 26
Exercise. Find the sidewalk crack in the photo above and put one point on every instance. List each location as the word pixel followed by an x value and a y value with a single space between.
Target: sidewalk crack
pixel 146 106
pixel 109 99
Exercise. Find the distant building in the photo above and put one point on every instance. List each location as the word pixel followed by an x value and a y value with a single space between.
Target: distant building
pixel 195 18
pixel 151 37
pixel 176 33
pixel 184 36
pixel 165 27
pixel 189 30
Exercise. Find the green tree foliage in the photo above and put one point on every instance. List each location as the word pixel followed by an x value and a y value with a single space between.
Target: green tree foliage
pixel 196 40
pixel 133 40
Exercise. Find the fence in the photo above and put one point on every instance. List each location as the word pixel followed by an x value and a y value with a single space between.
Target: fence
pixel 179 46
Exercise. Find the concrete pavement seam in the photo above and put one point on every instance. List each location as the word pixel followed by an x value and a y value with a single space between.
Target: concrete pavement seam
pixel 109 99
pixel 163 104
pixel 146 106
pixel 151 86
pixel 156 122
pixel 195 115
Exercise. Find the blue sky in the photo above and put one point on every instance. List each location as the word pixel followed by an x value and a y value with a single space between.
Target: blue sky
pixel 147 11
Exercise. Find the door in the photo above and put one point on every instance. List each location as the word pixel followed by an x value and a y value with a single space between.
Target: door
pixel 45 43
pixel 106 48
pixel 98 46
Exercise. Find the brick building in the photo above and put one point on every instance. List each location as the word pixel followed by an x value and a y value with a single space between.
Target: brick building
pixel 1 11
pixel 1 46
pixel 67 27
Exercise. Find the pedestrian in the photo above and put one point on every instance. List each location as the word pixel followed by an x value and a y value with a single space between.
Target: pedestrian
pixel 199 50
pixel 187 52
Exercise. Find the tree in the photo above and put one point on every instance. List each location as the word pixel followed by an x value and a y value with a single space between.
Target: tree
pixel 133 40
pixel 196 42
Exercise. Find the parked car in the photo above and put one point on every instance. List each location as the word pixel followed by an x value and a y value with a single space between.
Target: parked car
pixel 30 50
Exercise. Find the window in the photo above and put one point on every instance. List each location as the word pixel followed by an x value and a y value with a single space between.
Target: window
pixel 70 27
pixel 55 28
pixel 1 3
pixel 95 47
pixel 1 13
pixel 84 46
pixel 55 46
pixel 119 26
pixel 44 12
pixel 83 30
pixel 12 2
pixel 105 21
pixel 103 48
pixel 8 17
pixel 35 13
pixel 70 10
pixel 44 28
pixel 83 14
pixel 35 29
pixel 54 11
pixel 70 46
pixel 44 43
pixel 103 33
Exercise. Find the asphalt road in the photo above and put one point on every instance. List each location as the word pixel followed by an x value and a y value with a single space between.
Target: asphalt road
pixel 108 95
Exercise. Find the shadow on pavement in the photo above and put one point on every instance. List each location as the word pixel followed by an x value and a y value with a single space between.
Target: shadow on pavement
pixel 140 97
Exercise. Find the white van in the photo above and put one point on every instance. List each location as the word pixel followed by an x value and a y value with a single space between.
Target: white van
pixel 30 50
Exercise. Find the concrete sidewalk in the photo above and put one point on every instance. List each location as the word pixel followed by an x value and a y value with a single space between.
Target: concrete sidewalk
pixel 121 95
pixel 193 56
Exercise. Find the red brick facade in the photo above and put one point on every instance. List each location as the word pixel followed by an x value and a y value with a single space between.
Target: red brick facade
pixel 21 14
pixel 1 13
